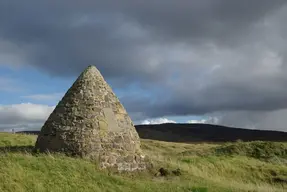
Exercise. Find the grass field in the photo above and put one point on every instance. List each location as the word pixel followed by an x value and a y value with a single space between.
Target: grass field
pixel 253 166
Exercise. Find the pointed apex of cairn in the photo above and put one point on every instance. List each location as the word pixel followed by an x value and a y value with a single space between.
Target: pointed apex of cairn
pixel 91 68
pixel 90 122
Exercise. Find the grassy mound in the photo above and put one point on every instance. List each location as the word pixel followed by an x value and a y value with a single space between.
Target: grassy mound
pixel 256 149
pixel 201 170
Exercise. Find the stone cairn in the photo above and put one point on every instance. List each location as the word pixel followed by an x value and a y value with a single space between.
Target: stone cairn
pixel 90 122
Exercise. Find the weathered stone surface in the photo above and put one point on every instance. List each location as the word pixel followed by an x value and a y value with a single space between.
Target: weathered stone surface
pixel 90 122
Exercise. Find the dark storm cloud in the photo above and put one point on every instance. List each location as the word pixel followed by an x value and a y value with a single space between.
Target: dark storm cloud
pixel 61 37
pixel 193 57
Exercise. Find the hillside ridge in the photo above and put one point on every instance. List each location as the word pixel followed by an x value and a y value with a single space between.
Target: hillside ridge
pixel 180 132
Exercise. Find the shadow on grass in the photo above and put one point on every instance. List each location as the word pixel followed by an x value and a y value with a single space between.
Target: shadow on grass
pixel 17 149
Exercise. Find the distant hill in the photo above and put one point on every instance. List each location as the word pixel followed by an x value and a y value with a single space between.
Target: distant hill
pixel 205 133
pixel 202 133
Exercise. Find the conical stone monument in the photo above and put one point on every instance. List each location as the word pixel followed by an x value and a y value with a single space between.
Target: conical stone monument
pixel 90 122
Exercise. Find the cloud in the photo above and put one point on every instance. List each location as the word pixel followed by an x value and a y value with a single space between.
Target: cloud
pixel 192 57
pixel 264 120
pixel 156 121
pixel 24 116
pixel 209 120
pixel 45 97
pixel 196 121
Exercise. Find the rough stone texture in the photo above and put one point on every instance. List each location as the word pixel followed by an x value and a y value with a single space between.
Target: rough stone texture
pixel 90 122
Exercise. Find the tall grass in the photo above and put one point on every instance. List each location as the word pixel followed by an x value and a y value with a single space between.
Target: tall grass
pixel 204 167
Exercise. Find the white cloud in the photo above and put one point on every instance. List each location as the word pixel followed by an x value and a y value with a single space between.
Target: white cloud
pixel 44 97
pixel 197 121
pixel 23 116
pixel 157 121
pixel 209 120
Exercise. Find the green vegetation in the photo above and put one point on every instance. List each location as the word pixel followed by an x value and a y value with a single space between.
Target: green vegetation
pixel 257 149
pixel 240 166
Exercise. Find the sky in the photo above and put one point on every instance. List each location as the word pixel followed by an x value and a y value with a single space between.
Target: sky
pixel 185 61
